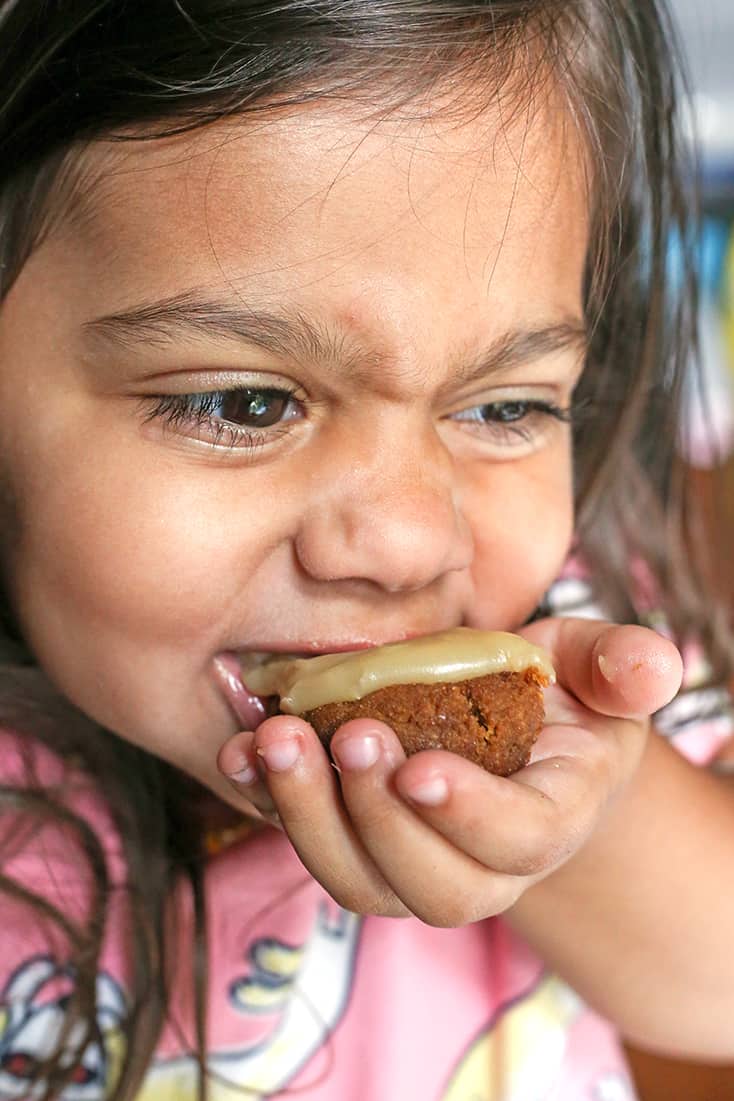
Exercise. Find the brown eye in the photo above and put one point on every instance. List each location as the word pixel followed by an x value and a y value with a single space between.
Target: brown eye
pixel 253 408
pixel 245 417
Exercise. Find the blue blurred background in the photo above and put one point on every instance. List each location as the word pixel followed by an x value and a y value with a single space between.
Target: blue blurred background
pixel 706 29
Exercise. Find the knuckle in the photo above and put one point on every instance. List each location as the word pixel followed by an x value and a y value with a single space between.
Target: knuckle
pixel 368 901
pixel 535 853
pixel 371 819
pixel 565 838
pixel 393 909
pixel 348 898
pixel 452 912
pixel 533 862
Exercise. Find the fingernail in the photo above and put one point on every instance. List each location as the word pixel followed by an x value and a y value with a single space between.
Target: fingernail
pixel 431 793
pixel 357 754
pixel 606 668
pixel 245 775
pixel 280 755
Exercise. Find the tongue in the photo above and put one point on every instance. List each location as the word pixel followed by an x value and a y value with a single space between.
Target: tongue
pixel 249 708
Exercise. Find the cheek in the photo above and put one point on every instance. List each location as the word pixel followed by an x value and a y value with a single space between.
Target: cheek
pixel 125 553
pixel 522 534
pixel 117 555
pixel 124 580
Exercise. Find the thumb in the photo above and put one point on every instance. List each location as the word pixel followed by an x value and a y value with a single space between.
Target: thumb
pixel 623 672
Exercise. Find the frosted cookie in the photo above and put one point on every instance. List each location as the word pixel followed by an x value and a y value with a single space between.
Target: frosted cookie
pixel 475 693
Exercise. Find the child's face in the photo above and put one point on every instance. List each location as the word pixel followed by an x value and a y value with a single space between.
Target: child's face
pixel 399 306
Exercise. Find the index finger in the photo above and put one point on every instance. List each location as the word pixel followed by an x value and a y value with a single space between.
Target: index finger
pixel 624 672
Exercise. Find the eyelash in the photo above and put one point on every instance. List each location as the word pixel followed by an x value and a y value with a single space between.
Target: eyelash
pixel 522 427
pixel 176 410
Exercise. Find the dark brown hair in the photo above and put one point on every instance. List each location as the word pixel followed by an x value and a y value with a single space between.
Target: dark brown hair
pixel 77 70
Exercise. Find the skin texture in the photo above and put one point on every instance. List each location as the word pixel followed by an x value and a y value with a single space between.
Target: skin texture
pixel 381 507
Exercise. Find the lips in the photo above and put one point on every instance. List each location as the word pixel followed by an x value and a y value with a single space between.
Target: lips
pixel 250 709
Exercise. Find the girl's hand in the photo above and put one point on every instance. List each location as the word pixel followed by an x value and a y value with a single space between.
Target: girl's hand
pixel 438 837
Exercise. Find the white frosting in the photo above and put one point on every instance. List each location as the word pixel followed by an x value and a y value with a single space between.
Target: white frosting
pixel 449 656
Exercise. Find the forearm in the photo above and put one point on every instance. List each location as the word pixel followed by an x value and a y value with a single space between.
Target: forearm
pixel 641 921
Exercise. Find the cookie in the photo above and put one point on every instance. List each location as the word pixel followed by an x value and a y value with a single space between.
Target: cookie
pixel 475 693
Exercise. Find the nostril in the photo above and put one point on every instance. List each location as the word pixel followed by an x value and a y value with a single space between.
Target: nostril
pixel 402 539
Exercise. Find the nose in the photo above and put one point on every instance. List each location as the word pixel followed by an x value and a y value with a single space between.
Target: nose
pixel 396 522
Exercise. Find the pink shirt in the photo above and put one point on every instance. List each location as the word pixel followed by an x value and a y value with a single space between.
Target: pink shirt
pixel 305 996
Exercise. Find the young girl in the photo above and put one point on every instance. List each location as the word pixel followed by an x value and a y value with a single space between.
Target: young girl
pixel 327 324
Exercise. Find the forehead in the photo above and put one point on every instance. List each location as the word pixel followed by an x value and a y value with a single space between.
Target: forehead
pixel 321 204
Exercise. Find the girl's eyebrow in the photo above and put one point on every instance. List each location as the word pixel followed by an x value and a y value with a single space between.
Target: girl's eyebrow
pixel 191 314
pixel 518 346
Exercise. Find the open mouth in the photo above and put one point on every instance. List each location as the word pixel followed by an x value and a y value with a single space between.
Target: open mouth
pixel 249 708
